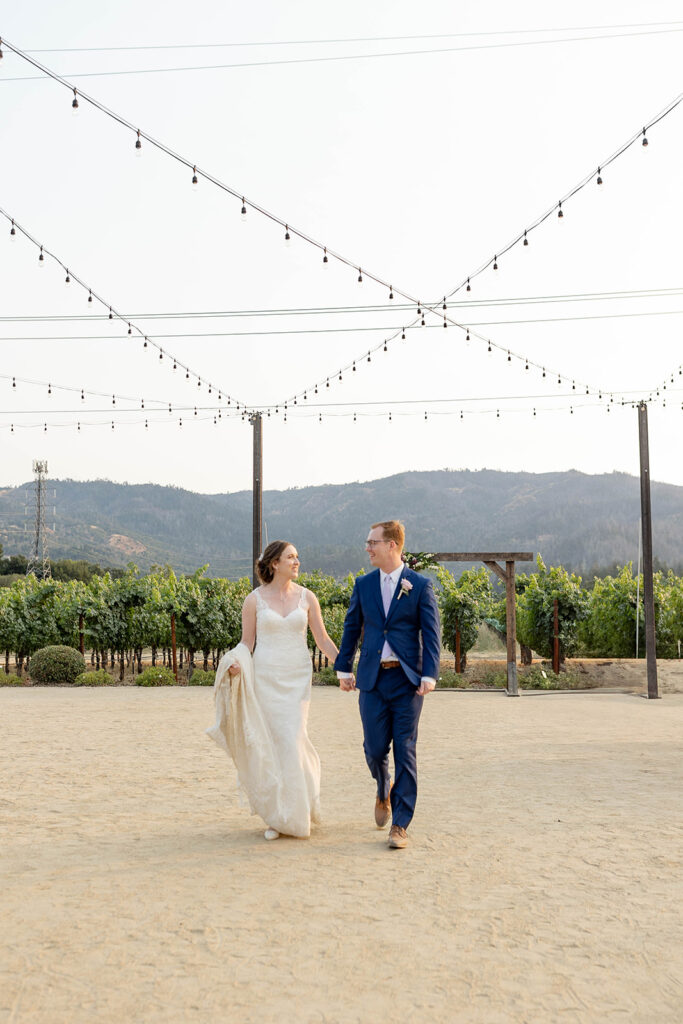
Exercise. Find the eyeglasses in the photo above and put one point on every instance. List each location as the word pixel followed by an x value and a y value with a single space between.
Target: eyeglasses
pixel 374 543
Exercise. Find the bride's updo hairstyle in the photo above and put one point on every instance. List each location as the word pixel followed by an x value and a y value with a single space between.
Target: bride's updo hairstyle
pixel 264 566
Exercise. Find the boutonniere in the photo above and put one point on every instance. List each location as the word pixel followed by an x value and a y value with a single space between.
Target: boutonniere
pixel 406 587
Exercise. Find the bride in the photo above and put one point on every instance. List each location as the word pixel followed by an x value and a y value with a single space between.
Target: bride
pixel 262 701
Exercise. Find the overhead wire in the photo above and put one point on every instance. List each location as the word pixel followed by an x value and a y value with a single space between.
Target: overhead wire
pixel 336 58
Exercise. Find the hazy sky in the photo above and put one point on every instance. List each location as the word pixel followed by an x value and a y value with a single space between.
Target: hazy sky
pixel 418 168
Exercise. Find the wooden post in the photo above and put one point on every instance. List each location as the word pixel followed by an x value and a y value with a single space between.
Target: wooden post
pixel 81 634
pixel 556 638
pixel 648 587
pixel 457 651
pixel 257 493
pixel 173 647
pixel 511 628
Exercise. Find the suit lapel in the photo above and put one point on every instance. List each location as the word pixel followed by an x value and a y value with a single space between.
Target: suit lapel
pixel 377 591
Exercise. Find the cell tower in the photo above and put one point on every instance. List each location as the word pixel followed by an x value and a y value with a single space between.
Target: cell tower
pixel 39 560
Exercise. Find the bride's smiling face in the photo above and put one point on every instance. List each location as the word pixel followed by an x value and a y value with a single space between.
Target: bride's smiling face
pixel 287 565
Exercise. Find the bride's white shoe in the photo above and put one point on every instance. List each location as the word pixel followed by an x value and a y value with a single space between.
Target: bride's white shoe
pixel 271 833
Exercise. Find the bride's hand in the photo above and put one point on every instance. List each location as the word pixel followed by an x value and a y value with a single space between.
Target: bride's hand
pixel 234 670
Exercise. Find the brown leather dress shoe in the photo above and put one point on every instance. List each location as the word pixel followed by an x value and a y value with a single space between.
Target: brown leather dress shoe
pixel 383 810
pixel 398 837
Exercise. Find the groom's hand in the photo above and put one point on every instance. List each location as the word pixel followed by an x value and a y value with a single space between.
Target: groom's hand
pixel 426 686
pixel 347 683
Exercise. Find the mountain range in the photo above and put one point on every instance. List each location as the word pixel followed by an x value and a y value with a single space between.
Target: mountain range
pixel 580 521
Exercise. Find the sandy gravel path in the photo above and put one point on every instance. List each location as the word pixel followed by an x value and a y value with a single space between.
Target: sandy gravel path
pixel 544 881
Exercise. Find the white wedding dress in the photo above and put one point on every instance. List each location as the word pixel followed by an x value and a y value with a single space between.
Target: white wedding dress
pixel 264 729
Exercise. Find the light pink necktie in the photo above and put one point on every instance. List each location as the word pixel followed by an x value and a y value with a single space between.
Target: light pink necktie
pixel 387 594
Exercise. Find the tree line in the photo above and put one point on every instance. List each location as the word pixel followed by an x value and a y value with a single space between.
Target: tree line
pixel 116 618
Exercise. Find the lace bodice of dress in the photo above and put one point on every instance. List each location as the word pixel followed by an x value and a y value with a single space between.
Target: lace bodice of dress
pixel 286 632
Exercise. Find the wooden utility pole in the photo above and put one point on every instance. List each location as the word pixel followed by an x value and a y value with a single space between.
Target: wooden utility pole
pixel 648 588
pixel 173 647
pixel 257 423
pixel 556 638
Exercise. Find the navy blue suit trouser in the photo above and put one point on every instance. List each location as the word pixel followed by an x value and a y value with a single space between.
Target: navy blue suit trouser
pixel 390 713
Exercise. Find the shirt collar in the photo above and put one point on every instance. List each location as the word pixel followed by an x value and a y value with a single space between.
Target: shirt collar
pixel 393 576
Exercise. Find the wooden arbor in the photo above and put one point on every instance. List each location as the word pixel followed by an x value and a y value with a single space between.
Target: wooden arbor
pixel 491 560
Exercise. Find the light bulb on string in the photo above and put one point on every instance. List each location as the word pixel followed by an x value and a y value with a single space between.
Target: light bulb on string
pixel 90 297
pixel 509 356
pixel 645 142
pixel 13 233
pixel 130 329
pixel 195 181
pixel 444 303
pixel 287 235
pixel 391 291
pixel 14 382
pixel 111 315
pixel 403 334
pixel 560 213
pixel 41 258
pixel 145 343
pixel 360 276
pixel 469 289
pixel 369 358
pixel 325 259
pixel 489 348
pixel 495 263
pixel 243 211
pixel 385 346
pixel 444 322
pixel 67 279
pixel 138 145
pixel 526 240
pixel 49 389
pixel 74 104
pixel 598 180
pixel 467 336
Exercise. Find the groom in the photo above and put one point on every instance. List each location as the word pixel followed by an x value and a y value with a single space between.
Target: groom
pixel 395 611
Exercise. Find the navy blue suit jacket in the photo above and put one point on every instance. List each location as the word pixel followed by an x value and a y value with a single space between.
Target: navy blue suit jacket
pixel 412 629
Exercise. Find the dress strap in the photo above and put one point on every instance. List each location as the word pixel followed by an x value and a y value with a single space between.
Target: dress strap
pixel 303 599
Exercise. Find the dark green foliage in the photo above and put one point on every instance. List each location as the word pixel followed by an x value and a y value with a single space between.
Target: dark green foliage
pixel 56 664
pixel 326 677
pixel 535 626
pixel 158 676
pixel 10 680
pixel 464 604
pixel 202 678
pixel 98 678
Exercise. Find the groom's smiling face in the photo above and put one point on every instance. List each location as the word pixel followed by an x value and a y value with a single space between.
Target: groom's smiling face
pixel 382 553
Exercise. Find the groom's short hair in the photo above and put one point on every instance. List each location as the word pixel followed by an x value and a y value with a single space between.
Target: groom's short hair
pixel 393 529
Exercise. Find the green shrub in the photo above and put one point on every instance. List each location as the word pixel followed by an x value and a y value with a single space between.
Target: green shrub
pixel 7 680
pixel 201 677
pixel 56 664
pixel 326 677
pixel 158 676
pixel 539 678
pixel 450 680
pixel 99 678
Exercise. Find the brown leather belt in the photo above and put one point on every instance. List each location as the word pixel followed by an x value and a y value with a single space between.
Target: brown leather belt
pixel 390 664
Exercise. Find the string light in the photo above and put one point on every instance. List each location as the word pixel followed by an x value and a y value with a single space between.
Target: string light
pixel 645 142
pixel 74 103
pixel 231 191
pixel 560 214
pixel 111 314
pixel 195 179
pixel 138 144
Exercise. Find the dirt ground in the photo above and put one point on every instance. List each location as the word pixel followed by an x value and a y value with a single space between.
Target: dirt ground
pixel 543 881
